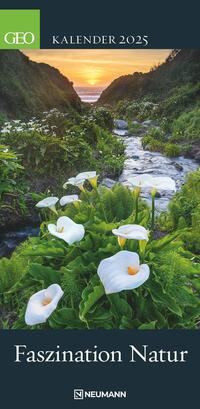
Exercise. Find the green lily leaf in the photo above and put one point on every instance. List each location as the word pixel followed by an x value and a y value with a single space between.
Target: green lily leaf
pixel 90 296
pixel 65 318
pixel 148 325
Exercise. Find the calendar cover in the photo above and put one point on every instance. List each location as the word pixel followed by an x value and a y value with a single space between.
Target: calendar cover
pixel 99 205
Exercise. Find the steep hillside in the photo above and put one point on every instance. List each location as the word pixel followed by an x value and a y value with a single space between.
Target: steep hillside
pixel 181 67
pixel 27 87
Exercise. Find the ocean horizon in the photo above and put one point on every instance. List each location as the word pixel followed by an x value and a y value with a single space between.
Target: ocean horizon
pixel 89 94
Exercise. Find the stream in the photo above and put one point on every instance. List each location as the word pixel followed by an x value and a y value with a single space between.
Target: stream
pixel 10 240
pixel 140 161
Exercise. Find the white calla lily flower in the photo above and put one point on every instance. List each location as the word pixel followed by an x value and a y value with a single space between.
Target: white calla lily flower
pixel 87 175
pixel 80 179
pixel 74 182
pixel 122 271
pixel 68 199
pixel 49 202
pixel 154 182
pixel 91 176
pixel 67 230
pixel 42 304
pixel 132 231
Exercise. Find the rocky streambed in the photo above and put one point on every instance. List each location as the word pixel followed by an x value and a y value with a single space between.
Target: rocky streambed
pixel 140 161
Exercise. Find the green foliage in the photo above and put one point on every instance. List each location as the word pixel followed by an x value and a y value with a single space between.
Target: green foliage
pixel 172 150
pixel 133 128
pixel 141 109
pixel 179 99
pixel 102 117
pixel 155 140
pixel 160 83
pixel 2 118
pixel 48 153
pixel 184 213
pixel 57 145
pixel 185 203
pixel 152 144
pixel 9 170
pixel 167 300
pixel 157 133
pixel 187 126
pixel 10 273
pixel 29 88
pixel 118 203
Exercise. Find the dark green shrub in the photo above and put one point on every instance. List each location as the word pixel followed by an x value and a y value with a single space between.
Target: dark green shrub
pixel 186 202
pixel 187 126
pixel 102 117
pixel 10 169
pixel 172 150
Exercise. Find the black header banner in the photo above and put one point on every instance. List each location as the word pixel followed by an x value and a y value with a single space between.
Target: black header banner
pixel 104 24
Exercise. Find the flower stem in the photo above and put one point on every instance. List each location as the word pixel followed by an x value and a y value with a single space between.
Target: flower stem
pixel 142 247
pixel 136 208
pixel 153 193
pixel 101 204
pixel 84 193
pixel 53 209
pixel 136 194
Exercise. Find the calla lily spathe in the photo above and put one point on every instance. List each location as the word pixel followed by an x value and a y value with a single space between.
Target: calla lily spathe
pixel 80 179
pixel 91 176
pixel 154 182
pixel 42 304
pixel 47 202
pixel 122 271
pixel 67 230
pixel 74 182
pixel 87 175
pixel 132 231
pixel 68 199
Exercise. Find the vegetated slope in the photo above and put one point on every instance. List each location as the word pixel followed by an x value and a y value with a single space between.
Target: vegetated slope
pixel 27 87
pixel 181 67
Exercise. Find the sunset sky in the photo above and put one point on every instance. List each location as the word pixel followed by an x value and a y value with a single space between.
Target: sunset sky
pixel 98 67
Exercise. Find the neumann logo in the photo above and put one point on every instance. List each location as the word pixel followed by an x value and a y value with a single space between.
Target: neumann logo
pixel 80 394
pixel 19 29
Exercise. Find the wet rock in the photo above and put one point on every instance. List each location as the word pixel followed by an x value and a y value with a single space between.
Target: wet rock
pixel 136 157
pixel 193 152
pixel 158 195
pixel 107 182
pixel 120 124
pixel 148 122
pixel 120 132
pixel 197 156
pixel 178 167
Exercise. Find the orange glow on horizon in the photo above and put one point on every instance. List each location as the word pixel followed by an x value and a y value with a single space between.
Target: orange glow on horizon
pixel 98 67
